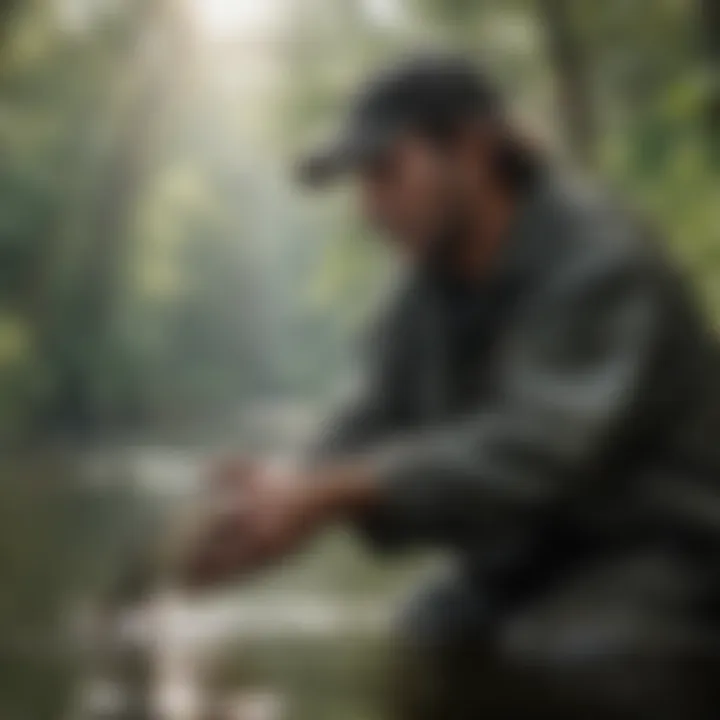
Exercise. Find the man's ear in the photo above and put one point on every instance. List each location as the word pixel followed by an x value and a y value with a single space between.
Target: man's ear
pixel 474 145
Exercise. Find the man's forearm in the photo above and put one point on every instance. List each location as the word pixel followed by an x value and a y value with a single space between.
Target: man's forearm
pixel 344 489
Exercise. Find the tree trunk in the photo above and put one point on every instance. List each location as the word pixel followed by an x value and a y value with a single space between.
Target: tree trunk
pixel 571 67
pixel 148 83
pixel 709 18
pixel 8 10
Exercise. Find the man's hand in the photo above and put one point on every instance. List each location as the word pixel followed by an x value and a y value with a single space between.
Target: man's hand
pixel 263 512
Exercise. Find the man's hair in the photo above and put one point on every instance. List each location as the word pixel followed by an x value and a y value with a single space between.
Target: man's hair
pixel 518 162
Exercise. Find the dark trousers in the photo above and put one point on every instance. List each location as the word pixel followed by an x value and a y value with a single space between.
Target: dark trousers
pixel 628 638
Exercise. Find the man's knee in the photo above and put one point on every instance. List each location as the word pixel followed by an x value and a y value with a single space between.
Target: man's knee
pixel 447 612
pixel 439 635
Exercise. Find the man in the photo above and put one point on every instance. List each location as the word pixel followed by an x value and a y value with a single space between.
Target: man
pixel 543 400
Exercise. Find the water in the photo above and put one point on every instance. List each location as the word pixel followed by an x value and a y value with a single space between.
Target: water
pixel 308 640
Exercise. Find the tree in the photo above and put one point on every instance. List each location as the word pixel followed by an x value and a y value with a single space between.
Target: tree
pixel 569 59
pixel 709 17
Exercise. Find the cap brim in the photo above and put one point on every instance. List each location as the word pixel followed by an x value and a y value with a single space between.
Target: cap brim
pixel 341 157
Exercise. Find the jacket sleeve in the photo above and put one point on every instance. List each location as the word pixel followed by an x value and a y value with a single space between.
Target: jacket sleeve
pixel 573 375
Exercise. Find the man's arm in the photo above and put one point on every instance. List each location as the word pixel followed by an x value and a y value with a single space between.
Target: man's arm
pixel 576 375
pixel 264 512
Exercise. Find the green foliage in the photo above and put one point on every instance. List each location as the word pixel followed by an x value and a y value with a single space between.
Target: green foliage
pixel 156 263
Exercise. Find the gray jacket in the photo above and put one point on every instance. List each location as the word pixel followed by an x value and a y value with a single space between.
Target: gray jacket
pixel 570 400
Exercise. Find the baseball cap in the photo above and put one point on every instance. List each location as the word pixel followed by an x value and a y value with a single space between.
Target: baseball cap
pixel 426 93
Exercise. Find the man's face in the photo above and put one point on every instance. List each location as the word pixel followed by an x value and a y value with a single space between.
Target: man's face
pixel 421 195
